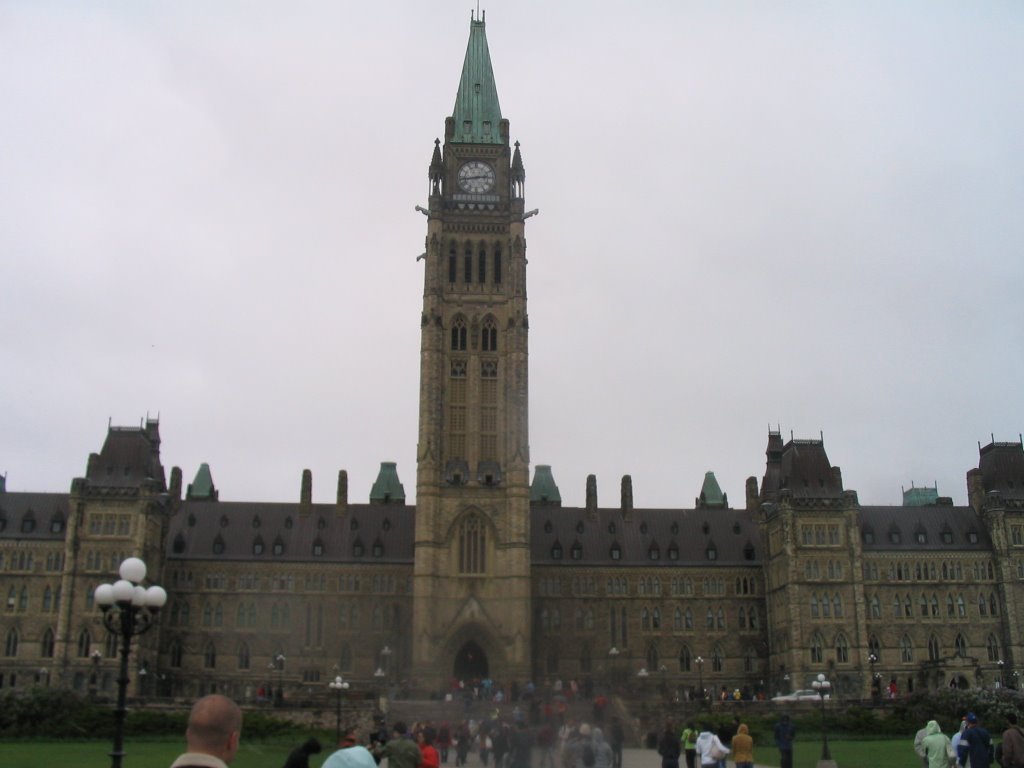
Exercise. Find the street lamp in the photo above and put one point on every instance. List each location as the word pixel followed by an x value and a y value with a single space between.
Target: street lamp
pixel 699 661
pixel 338 685
pixel 129 609
pixel 822 686
pixel 1001 664
pixel 876 684
pixel 96 656
pixel 279 661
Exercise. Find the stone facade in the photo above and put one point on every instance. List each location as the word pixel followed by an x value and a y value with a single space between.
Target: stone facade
pixel 488 574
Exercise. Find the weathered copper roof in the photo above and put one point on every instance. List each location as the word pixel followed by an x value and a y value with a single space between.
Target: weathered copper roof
pixel 543 489
pixel 477 113
pixel 387 488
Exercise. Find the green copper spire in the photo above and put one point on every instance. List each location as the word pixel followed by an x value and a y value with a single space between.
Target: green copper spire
pixel 711 493
pixel 543 489
pixel 387 489
pixel 477 114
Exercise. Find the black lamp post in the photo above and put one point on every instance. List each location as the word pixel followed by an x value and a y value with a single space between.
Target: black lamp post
pixel 279 661
pixel 613 655
pixel 338 686
pixel 129 609
pixel 876 680
pixel 822 686
pixel 94 678
pixel 700 677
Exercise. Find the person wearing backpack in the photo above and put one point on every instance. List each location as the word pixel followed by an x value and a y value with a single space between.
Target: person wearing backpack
pixel 1013 743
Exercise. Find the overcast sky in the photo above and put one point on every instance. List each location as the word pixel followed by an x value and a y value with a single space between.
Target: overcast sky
pixel 803 214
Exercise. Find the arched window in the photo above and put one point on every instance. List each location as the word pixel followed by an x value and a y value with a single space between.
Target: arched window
pixel 688 619
pixel 84 644
pixel 243 656
pixel 472 537
pixel 459 334
pixel 906 649
pixel 721 618
pixel 993 648
pixel 467 264
pixel 652 657
pixel 814 606
pixel 874 647
pixel 749 659
pixel 993 606
pixel 453 270
pixel 752 619
pixel 982 605
pixel 817 648
pixel 742 621
pixel 489 335
pixel 481 264
pixel 210 656
pixel 876 607
pixel 218 616
pixel 207 615
pixel 46 645
pixel 677 619
pixel 842 649
pixel 497 264
pixel 175 654
pixel 711 619
pixel 717 657
pixel 837 605
pixel 960 646
pixel 961 606
pixel 685 660
pixel 935 606
pixel 934 652
pixel 47 598
pixel 645 619
pixel 11 646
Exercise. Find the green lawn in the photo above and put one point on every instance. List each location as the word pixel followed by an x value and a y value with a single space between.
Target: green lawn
pixel 897 753
pixel 159 754
pixel 140 754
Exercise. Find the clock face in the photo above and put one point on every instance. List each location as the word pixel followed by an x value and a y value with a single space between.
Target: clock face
pixel 476 177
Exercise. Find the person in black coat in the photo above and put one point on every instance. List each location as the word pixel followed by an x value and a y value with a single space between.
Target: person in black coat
pixel 669 747
pixel 299 757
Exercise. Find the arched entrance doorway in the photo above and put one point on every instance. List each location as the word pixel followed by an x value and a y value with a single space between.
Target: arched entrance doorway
pixel 470 663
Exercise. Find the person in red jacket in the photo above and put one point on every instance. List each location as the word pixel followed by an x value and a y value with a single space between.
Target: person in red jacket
pixel 429 758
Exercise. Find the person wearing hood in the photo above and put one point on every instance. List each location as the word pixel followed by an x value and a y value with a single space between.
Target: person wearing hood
pixel 936 747
pixel 710 748
pixel 603 756
pixel 299 757
pixel 743 747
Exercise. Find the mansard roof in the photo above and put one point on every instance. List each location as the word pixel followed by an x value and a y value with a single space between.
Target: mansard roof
pixel 800 467
pixel 342 532
pixel 1002 468
pixel 129 456
pixel 42 509
pixel 646 538
pixel 945 528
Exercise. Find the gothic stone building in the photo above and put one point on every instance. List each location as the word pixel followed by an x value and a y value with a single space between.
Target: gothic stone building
pixel 488 574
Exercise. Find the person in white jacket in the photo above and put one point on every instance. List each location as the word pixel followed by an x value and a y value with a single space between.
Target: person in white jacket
pixel 708 742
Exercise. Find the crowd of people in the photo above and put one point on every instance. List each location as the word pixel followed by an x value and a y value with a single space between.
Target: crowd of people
pixel 215 726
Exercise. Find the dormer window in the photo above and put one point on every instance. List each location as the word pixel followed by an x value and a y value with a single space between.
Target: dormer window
pixel 921 537
pixel 218 545
pixel 972 537
pixel 673 551
pixel 278 546
pixel 257 545
pixel 616 552
pixel 556 551
pixel 378 548
pixel 357 548
pixel 57 524
pixel 576 553
pixel 895 537
pixel 868 536
pixel 947 537
pixel 712 553
pixel 318 548
pixel 654 553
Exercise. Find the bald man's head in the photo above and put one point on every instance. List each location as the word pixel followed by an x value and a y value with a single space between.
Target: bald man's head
pixel 214 727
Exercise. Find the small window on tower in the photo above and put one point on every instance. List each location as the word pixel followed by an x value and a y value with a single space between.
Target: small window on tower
pixel 467 126
pixel 487 127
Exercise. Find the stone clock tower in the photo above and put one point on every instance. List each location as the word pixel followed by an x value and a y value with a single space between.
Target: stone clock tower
pixel 471 583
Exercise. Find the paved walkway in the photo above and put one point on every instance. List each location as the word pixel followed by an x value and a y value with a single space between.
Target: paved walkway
pixel 649 758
